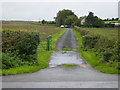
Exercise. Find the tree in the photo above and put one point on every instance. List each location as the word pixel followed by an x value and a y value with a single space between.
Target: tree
pixel 78 22
pixel 43 21
pixel 94 21
pixel 62 15
pixel 90 19
pixel 70 20
pixel 113 19
pixel 98 22
pixel 116 19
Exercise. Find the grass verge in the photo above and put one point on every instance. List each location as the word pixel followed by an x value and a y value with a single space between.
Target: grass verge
pixel 43 59
pixel 56 37
pixel 92 59
pixel 69 65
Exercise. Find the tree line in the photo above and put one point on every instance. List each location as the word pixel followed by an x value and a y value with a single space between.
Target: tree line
pixel 68 17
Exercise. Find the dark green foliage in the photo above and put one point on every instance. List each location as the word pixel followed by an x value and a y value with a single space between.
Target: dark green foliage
pixel 90 41
pixel 19 48
pixel 90 19
pixel 43 21
pixel 94 21
pixel 27 44
pixel 62 16
pixel 107 56
pixel 107 49
pixel 109 25
pixel 51 22
pixel 70 20
pixel 9 60
pixel 78 22
pixel 9 38
pixel 98 22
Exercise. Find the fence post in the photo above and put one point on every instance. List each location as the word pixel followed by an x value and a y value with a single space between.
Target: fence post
pixel 49 43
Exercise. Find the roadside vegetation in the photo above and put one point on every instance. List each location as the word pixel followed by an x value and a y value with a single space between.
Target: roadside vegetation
pixel 24 43
pixel 22 50
pixel 69 65
pixel 98 49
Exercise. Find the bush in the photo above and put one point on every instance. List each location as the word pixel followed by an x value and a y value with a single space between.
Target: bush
pixel 23 46
pixel 109 25
pixel 9 61
pixel 107 56
pixel 108 50
pixel 90 41
pixel 28 44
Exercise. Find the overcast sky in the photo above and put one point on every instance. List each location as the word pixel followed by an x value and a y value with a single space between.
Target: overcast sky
pixel 48 10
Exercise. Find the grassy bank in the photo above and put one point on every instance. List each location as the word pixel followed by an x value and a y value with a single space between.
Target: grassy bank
pixel 109 33
pixel 92 59
pixel 56 37
pixel 69 65
pixel 43 55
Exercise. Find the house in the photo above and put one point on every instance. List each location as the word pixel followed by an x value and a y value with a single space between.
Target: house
pixel 83 20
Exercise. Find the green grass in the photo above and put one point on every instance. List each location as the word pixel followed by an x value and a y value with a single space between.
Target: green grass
pixel 69 65
pixel 43 59
pixel 44 29
pixel 65 49
pixel 92 59
pixel 0 72
pixel 112 35
pixel 56 37
pixel 113 21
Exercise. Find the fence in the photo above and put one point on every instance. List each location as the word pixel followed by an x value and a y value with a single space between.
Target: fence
pixel 46 45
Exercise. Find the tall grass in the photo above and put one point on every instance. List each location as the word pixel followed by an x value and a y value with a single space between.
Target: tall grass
pixel 110 33
pixel 43 59
pixel 92 59
pixel 43 56
pixel 44 29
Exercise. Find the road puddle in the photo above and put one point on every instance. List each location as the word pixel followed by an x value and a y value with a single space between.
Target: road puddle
pixel 65 57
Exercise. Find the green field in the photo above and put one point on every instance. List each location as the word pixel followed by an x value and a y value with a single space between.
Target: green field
pixel 45 30
pixel 110 33
pixel 43 56
pixel 94 56
pixel 113 21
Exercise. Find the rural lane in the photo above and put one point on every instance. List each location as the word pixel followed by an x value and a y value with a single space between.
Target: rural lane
pixel 58 76
pixel 67 41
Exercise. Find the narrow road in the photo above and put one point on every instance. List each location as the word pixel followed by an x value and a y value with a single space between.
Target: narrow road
pixel 58 76
pixel 67 41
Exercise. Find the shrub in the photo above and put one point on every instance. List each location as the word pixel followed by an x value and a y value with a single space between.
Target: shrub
pixel 107 49
pixel 23 46
pixel 90 41
pixel 10 61
pixel 28 44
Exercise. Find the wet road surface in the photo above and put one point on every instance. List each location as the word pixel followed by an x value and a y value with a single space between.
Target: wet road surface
pixel 57 76
pixel 68 40
pixel 62 77
pixel 65 57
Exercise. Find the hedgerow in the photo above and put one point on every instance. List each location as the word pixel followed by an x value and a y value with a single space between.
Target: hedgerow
pixel 106 49
pixel 19 48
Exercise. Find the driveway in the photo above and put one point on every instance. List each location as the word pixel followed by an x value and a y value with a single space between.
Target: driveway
pixel 59 76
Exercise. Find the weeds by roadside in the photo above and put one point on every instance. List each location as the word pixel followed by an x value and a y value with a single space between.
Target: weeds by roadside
pixel 43 59
pixel 92 59
pixel 69 65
